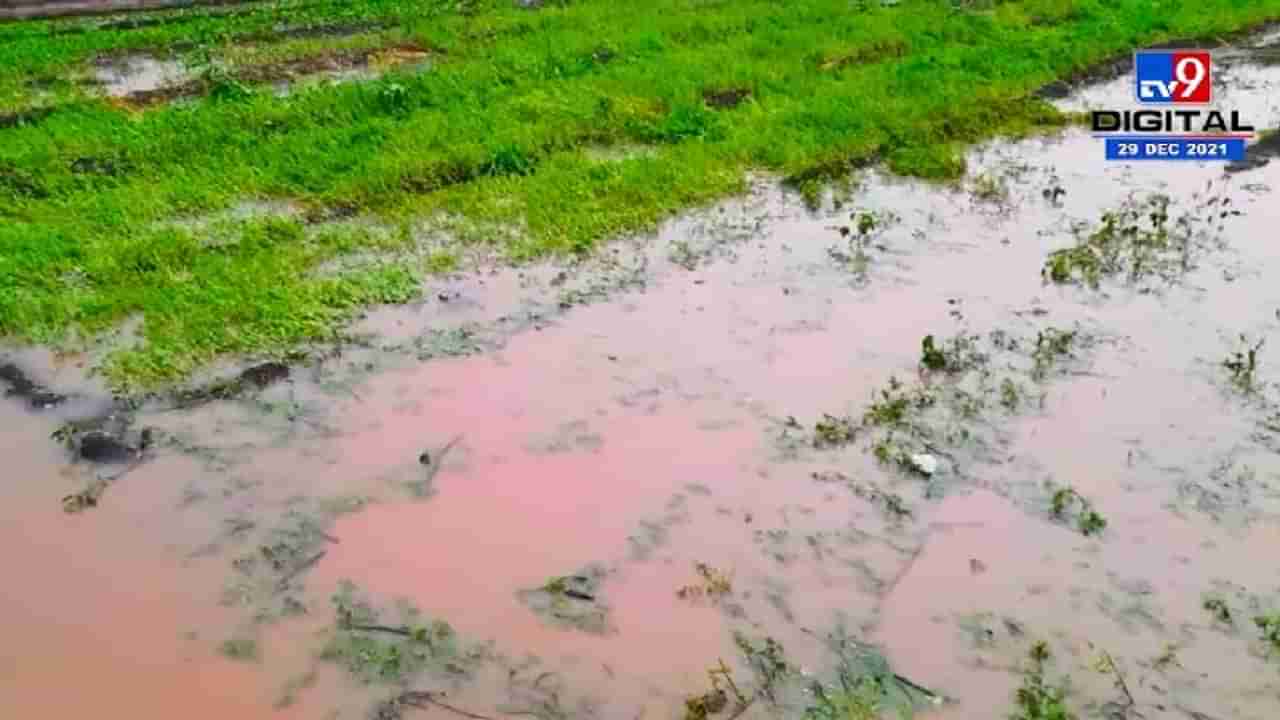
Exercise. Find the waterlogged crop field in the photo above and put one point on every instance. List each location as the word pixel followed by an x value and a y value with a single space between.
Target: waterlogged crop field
pixel 578 360
pixel 518 130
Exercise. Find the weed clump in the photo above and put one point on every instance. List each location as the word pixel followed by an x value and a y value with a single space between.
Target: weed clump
pixel 1219 609
pixel 832 431
pixel 700 707
pixel 865 687
pixel 715 583
pixel 860 234
pixel 989 188
pixel 1139 240
pixel 1270 627
pixel 918 427
pixel 388 654
pixel 852 700
pixel 1242 365
pixel 572 601
pixel 1052 345
pixel 1037 699
pixel 896 403
pixel 242 648
pixel 1088 520
pixel 957 354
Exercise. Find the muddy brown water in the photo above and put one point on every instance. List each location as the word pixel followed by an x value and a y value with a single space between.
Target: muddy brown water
pixel 640 432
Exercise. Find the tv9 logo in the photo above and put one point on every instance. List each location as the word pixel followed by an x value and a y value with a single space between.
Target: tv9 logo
pixel 1173 78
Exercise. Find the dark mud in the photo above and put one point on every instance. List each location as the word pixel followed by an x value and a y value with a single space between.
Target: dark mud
pixel 1253 46
pixel 29 9
pixel 25 117
pixel 1259 153
pixel 33 394
pixel 745 405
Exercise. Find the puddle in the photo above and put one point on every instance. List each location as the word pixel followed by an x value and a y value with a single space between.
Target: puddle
pixel 133 75
pixel 144 79
pixel 630 413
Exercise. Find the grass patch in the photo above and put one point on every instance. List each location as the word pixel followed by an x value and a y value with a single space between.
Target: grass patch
pixel 495 138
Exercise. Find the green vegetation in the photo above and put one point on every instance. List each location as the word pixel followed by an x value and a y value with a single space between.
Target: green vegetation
pixel 1218 607
pixel 1270 627
pixel 1140 240
pixel 572 601
pixel 865 687
pixel 243 648
pixel 833 431
pixel 1088 520
pixel 1051 346
pixel 715 583
pixel 1038 699
pixel 498 142
pixel 956 354
pixel 377 653
pixel 852 701
pixel 1242 365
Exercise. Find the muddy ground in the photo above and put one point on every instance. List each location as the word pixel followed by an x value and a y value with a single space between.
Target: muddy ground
pixel 585 481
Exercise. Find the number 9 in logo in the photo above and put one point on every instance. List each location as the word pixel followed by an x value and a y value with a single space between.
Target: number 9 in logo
pixel 1191 75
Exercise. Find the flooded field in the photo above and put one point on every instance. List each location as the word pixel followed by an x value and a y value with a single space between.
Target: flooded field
pixel 936 443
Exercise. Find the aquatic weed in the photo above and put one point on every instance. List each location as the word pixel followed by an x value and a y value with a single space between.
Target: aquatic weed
pixel 1270 627
pixel 894 404
pixel 1088 520
pixel 865 685
pixel 1139 240
pixel 715 583
pixel 378 653
pixel 241 648
pixel 956 354
pixel 1242 365
pixel 1052 345
pixel 833 431
pixel 1217 606
pixel 988 187
pixel 1037 699
pixel 767 661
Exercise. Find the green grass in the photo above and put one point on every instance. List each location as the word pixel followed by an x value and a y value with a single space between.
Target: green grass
pixel 497 144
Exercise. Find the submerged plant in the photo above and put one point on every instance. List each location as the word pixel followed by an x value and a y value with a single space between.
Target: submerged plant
pixel 1242 365
pixel 954 355
pixel 241 648
pixel 1037 699
pixel 1051 346
pixel 1270 627
pixel 715 583
pixel 833 431
pixel 1217 606
pixel 1139 239
pixel 1088 520
pixel 858 700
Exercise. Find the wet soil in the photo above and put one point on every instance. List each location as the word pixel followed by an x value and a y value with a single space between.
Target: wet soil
pixel 142 80
pixel 648 413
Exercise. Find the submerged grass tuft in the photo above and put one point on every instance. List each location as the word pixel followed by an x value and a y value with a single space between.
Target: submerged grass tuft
pixel 1088 519
pixel 1038 699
